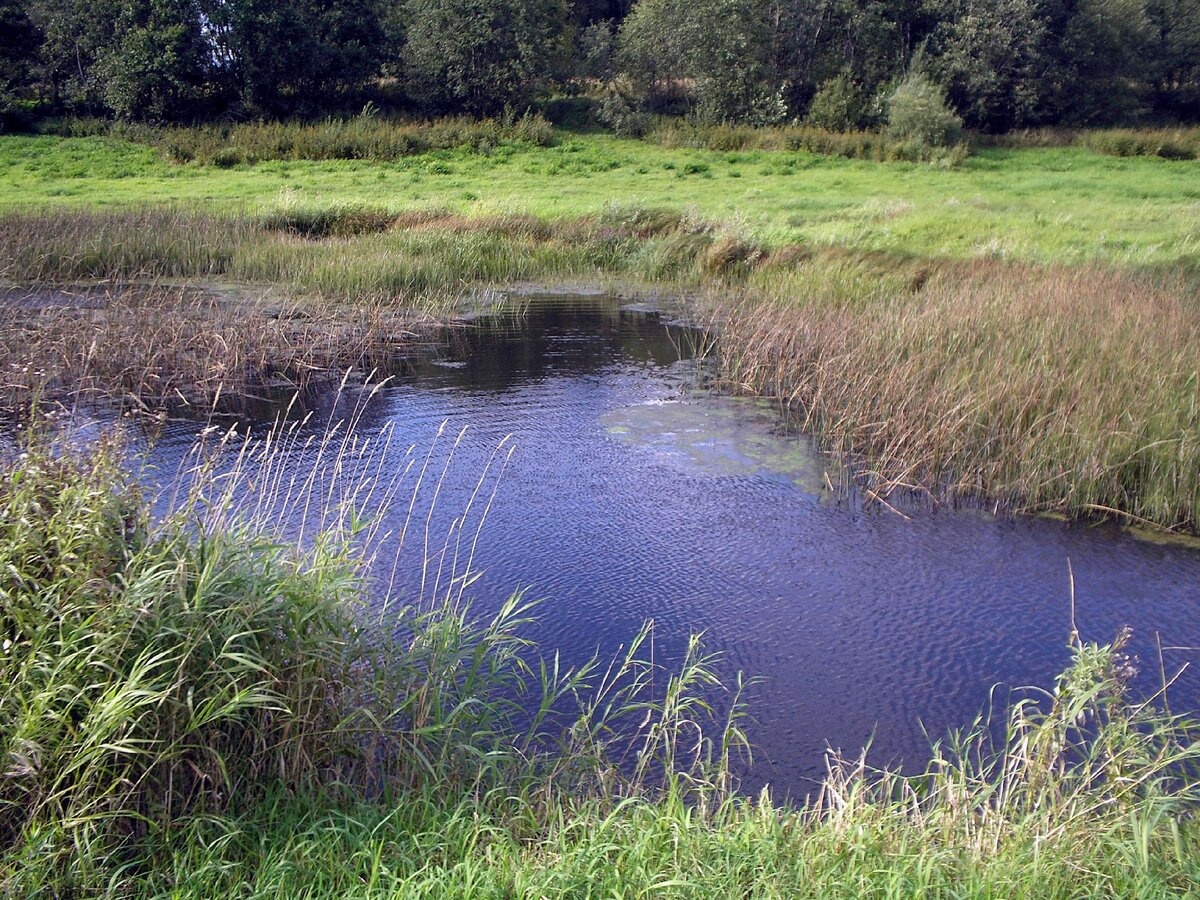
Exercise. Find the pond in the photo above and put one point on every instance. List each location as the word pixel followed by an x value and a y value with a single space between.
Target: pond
pixel 632 493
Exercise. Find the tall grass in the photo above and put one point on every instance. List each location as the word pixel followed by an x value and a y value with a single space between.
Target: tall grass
pixel 1180 143
pixel 163 672
pixel 866 145
pixel 196 707
pixel 361 137
pixel 1043 387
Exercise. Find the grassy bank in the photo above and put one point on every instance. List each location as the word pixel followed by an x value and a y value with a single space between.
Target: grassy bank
pixel 1051 205
pixel 1046 387
pixel 208 711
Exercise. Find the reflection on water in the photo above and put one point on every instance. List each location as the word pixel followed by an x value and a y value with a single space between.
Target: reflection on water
pixel 630 495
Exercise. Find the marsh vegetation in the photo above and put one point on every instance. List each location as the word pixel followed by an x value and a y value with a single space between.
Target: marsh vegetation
pixel 212 691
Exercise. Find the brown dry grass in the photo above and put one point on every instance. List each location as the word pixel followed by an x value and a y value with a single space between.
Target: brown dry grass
pixel 155 346
pixel 1072 389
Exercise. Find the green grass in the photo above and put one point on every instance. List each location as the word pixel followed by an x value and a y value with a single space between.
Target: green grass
pixel 205 711
pixel 1049 204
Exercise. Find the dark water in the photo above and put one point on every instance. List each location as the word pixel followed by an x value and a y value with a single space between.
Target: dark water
pixel 631 495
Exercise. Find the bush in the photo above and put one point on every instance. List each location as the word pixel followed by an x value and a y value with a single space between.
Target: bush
pixel 622 116
pixel 838 106
pixel 918 112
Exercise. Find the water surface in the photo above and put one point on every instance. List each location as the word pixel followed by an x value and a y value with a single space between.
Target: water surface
pixel 631 495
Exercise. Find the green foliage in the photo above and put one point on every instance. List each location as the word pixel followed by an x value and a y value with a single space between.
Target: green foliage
pixel 991 54
pixel 665 44
pixel 840 105
pixel 1005 64
pixel 19 40
pixel 299 57
pixel 1102 63
pixel 918 112
pixel 483 56
pixel 158 67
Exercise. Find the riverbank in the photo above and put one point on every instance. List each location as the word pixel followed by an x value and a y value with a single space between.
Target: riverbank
pixel 1040 387
pixel 214 710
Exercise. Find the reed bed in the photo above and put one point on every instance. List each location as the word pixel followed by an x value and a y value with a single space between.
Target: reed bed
pixel 1073 390
pixel 153 346
pixel 1051 388
pixel 866 145
pixel 1176 143
pixel 202 706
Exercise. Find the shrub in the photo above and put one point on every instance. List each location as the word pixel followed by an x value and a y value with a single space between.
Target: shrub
pixel 918 111
pixel 838 106
pixel 618 113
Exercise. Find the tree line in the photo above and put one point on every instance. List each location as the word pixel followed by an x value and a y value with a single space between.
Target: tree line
pixel 1000 64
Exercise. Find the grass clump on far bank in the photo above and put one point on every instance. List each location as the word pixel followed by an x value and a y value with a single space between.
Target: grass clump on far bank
pixel 361 137
pixel 209 710
pixel 157 346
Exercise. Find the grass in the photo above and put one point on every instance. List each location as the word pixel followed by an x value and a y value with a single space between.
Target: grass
pixel 1053 205
pixel 206 711
pixel 1046 388
pixel 154 347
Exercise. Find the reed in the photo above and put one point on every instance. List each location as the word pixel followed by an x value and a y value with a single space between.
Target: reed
pixel 360 137
pixel 1178 143
pixel 199 707
pixel 152 347
pixel 1071 390
pixel 156 673
pixel 865 145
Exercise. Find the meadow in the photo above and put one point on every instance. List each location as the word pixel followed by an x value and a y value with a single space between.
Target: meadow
pixel 1047 204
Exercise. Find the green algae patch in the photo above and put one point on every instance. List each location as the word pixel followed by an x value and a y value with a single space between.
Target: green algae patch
pixel 720 436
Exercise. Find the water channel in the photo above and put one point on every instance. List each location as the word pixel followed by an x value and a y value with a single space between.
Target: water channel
pixel 631 494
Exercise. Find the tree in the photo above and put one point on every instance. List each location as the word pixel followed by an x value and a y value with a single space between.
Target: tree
pixel 1098 69
pixel 1175 54
pixel 75 33
pixel 719 51
pixel 282 58
pixel 19 41
pixel 482 56
pixel 990 53
pixel 157 66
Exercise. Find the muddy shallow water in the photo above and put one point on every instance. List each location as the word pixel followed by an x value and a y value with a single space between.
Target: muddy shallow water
pixel 630 495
